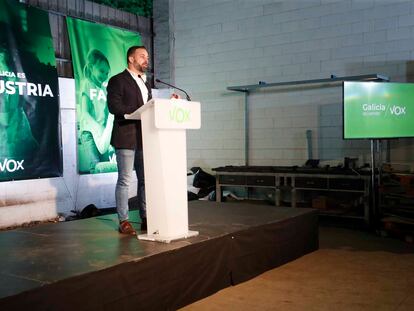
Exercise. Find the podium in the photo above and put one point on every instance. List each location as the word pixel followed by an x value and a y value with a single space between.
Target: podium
pixel 164 123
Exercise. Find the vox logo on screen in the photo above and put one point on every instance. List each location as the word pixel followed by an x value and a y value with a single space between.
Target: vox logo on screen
pixel 397 110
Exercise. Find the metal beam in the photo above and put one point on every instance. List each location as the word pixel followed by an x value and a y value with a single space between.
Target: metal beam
pixel 333 79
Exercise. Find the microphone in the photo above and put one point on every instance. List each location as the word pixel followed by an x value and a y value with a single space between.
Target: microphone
pixel 173 86
pixel 139 76
pixel 148 87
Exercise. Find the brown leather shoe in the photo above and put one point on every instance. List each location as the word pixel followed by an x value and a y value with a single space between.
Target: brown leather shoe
pixel 126 228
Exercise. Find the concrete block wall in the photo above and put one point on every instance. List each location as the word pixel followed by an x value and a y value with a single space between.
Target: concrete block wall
pixel 161 17
pixel 220 43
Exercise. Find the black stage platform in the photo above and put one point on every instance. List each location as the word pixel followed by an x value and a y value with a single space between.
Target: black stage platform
pixel 87 265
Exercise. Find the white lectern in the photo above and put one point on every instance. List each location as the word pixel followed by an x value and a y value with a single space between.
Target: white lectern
pixel 164 123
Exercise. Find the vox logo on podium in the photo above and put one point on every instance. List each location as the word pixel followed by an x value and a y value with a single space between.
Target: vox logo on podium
pixel 179 114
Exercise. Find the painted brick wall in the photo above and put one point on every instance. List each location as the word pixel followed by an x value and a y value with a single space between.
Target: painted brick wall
pixel 222 43
pixel 162 42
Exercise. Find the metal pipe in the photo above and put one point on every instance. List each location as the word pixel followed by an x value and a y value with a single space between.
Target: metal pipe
pixel 373 183
pixel 246 128
pixel 252 87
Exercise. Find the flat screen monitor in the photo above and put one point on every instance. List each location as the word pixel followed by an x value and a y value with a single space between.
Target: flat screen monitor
pixel 378 110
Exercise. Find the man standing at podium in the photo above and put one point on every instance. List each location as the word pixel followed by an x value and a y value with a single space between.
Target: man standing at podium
pixel 128 91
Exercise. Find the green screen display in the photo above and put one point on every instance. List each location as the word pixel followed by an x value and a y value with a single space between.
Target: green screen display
pixel 374 110
pixel 98 52
pixel 30 144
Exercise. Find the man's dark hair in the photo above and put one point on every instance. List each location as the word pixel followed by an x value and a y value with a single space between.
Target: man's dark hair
pixel 132 49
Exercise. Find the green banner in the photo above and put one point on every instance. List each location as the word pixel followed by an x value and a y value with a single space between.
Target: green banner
pixel 29 106
pixel 378 110
pixel 98 52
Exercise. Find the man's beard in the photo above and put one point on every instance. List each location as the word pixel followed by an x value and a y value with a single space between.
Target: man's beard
pixel 140 68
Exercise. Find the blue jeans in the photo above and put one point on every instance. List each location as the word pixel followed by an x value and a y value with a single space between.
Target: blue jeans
pixel 127 159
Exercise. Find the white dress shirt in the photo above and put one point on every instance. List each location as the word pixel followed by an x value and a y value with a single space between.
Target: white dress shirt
pixel 140 80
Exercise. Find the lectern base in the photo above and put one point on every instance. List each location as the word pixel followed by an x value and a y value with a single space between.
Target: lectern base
pixel 166 239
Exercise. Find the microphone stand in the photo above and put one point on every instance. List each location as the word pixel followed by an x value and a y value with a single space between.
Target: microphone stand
pixel 173 86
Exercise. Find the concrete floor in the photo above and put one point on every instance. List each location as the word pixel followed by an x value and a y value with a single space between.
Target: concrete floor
pixel 352 270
